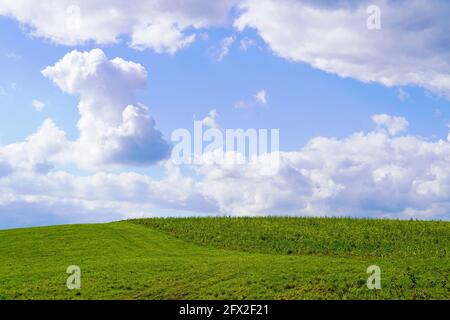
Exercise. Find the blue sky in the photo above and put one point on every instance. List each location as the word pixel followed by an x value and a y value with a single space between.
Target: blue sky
pixel 306 98
pixel 303 101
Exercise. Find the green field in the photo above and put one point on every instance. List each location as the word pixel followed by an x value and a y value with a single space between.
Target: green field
pixel 228 258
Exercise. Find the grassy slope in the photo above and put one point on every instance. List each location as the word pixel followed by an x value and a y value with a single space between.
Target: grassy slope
pixel 324 236
pixel 206 259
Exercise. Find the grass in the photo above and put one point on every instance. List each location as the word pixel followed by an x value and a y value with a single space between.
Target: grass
pixel 221 258
pixel 323 236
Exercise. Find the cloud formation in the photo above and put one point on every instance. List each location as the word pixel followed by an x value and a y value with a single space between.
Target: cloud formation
pixel 39 152
pixel 114 128
pixel 374 174
pixel 410 49
pixel 393 125
pixel 163 26
pixel 382 173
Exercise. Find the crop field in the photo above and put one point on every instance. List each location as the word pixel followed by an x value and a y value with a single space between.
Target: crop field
pixel 322 236
pixel 228 258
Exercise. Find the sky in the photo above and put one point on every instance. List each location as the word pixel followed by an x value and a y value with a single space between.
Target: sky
pixel 92 92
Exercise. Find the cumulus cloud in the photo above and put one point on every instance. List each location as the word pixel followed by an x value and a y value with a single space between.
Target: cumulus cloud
pixel 38 152
pixel 393 125
pixel 163 26
pixel 374 174
pixel 380 173
pixel 365 175
pixel 33 198
pixel 161 36
pixel 114 128
pixel 410 49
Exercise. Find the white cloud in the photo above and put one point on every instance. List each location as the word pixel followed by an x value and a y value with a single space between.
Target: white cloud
pixel 371 174
pixel 60 197
pixel 410 49
pixel 163 26
pixel 38 105
pixel 379 174
pixel 224 48
pixel 114 128
pixel 39 151
pixel 261 96
pixel 393 125
pixel 161 36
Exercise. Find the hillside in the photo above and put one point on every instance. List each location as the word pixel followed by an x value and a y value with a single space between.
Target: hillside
pixel 223 258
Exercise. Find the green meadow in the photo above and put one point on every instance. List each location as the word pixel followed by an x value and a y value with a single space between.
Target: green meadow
pixel 228 258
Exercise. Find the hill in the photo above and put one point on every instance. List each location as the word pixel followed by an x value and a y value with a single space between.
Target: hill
pixel 228 258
